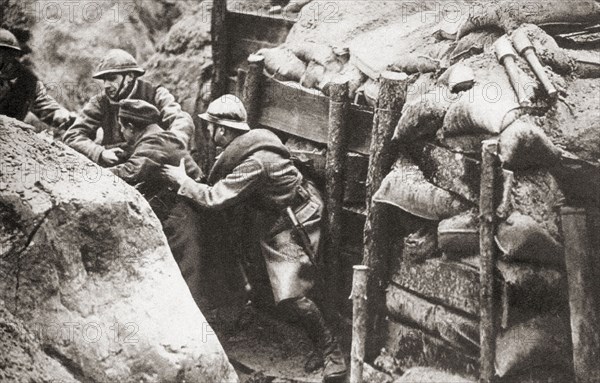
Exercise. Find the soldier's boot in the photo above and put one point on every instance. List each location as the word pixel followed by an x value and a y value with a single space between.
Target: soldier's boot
pixel 306 313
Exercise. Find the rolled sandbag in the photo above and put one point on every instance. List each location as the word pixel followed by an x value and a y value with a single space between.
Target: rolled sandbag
pixel 313 75
pixel 541 341
pixel 354 77
pixel 486 108
pixel 370 90
pixel 467 144
pixel 320 53
pixel 520 238
pixel 509 14
pixel 424 110
pixel 406 188
pixel 282 63
pixel 459 234
pixel 524 145
pixel 415 63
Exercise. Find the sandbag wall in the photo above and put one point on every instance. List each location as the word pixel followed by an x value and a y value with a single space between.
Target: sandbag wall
pixel 433 295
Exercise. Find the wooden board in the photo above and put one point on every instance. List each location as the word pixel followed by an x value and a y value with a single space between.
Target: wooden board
pixel 412 347
pixel 462 331
pixel 249 32
pixel 291 108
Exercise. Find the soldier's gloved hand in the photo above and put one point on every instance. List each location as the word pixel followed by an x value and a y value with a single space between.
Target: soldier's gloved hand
pixel 175 174
pixel 112 156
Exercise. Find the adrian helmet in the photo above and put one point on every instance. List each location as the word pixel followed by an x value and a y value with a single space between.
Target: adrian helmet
pixel 227 110
pixel 117 61
pixel 8 40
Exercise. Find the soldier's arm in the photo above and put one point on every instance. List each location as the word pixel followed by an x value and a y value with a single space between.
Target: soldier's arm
pixel 46 108
pixel 241 182
pixel 178 121
pixel 80 136
pixel 135 170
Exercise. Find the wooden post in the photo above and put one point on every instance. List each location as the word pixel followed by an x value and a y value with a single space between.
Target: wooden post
pixel 392 95
pixel 487 230
pixel 580 231
pixel 334 171
pixel 240 83
pixel 252 88
pixel 220 48
pixel 359 322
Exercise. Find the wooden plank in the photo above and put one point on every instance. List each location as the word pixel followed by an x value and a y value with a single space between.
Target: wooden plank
pixel 451 171
pixel 411 346
pixel 460 330
pixel 452 284
pixel 296 110
pixel 251 32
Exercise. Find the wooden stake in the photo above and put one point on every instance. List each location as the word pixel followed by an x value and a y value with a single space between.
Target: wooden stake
pixel 487 247
pixel 334 170
pixel 253 89
pixel 359 322
pixel 392 95
pixel 220 48
pixel 580 230
pixel 240 83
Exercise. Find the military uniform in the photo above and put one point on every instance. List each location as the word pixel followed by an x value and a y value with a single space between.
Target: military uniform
pixel 181 224
pixel 256 169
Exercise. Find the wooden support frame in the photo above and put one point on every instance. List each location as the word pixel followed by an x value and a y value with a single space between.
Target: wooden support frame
pixel 487 210
pixel 580 230
pixel 253 88
pixel 392 96
pixel 334 171
pixel 220 48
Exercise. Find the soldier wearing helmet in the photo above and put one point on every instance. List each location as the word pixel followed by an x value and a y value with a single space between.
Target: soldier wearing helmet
pixel 120 73
pixel 255 169
pixel 20 89
pixel 151 148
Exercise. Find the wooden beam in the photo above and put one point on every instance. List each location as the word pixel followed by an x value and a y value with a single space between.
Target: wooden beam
pixel 359 322
pixel 220 48
pixel 392 95
pixel 253 88
pixel 293 109
pixel 487 230
pixel 580 229
pixel 334 178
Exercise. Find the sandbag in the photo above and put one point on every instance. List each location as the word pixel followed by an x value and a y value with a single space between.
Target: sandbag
pixel 313 75
pixel 420 245
pixel 322 54
pixel 459 234
pixel 520 238
pixel 354 77
pixel 416 63
pixel 541 341
pixel 485 108
pixel 282 63
pixel 424 110
pixel 406 188
pixel 509 14
pixel 467 144
pixel 524 145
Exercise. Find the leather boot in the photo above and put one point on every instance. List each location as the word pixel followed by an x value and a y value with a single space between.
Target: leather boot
pixel 306 313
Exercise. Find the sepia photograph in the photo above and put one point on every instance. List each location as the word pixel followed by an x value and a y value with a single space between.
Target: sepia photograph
pixel 300 191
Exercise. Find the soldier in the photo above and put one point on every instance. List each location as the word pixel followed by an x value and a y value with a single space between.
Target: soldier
pixel 120 73
pixel 151 148
pixel 255 169
pixel 20 89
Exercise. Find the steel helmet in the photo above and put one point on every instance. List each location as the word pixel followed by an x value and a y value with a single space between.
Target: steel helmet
pixel 227 110
pixel 8 40
pixel 117 61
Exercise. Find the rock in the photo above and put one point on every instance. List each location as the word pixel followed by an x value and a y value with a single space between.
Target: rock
pixel 85 261
pixel 22 359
